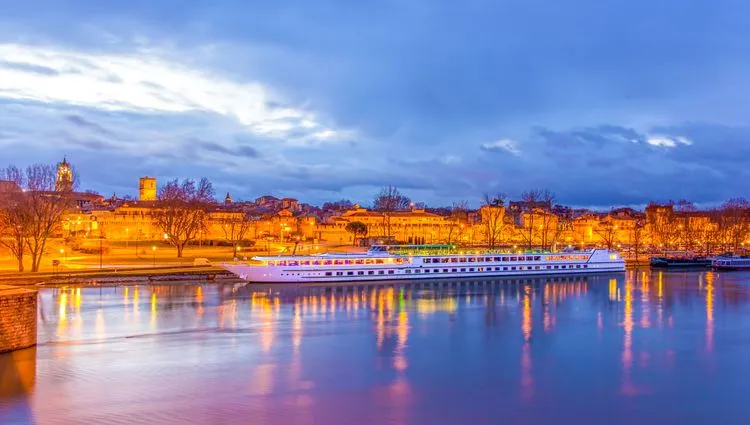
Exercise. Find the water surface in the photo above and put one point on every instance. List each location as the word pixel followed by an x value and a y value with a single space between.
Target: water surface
pixel 634 348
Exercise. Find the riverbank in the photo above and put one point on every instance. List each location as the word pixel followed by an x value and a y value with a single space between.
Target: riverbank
pixel 124 275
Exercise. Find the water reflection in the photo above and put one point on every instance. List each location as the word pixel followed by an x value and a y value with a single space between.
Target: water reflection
pixel 427 352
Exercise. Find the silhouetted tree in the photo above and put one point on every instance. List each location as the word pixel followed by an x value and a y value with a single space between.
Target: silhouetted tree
pixel 492 212
pixel 235 228
pixel 388 201
pixel 182 210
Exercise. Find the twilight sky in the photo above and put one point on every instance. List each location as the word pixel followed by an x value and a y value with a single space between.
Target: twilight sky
pixel 603 102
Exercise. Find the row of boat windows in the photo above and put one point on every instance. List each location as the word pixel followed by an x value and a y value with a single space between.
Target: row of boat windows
pixel 456 270
pixel 504 259
pixel 337 262
pixel 734 263
pixel 435 260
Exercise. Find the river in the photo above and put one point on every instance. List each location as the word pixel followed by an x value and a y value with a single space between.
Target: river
pixel 635 348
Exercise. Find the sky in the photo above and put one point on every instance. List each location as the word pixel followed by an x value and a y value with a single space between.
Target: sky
pixel 605 103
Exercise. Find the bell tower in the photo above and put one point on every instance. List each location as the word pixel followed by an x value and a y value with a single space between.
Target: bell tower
pixel 64 181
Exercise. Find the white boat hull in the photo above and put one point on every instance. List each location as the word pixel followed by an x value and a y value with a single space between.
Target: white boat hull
pixel 416 269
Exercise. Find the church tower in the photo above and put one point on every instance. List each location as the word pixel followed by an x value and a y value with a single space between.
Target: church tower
pixel 147 189
pixel 64 181
pixel 228 200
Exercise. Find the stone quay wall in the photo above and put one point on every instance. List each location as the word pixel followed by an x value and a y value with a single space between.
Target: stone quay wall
pixel 18 318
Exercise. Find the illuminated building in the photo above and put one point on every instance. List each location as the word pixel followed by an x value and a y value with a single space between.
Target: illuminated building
pixel 147 189
pixel 64 181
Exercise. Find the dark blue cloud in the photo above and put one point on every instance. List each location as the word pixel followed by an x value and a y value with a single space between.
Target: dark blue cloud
pixel 602 102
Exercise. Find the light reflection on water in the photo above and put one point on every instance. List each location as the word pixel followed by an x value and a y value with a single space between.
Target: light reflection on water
pixel 635 348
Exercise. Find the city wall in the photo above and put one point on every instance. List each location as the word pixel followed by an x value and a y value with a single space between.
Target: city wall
pixel 18 318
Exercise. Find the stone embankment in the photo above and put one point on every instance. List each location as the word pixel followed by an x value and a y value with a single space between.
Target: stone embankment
pixel 18 318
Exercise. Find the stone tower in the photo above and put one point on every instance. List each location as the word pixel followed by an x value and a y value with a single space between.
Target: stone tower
pixel 64 181
pixel 147 189
pixel 228 199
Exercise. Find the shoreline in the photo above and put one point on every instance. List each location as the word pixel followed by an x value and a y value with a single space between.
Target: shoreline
pixel 121 276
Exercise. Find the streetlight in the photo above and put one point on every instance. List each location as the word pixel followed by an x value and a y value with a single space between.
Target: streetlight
pixel 62 252
pixel 153 250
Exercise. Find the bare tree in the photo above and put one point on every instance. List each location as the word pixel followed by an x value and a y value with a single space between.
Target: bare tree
pixel 31 216
pixel 458 219
pixel 235 230
pixel 182 210
pixel 607 232
pixel 13 214
pixel 535 202
pixel 388 201
pixel 736 221
pixel 492 212
pixel 636 238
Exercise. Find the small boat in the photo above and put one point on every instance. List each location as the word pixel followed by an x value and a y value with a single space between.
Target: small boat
pixel 680 262
pixel 731 263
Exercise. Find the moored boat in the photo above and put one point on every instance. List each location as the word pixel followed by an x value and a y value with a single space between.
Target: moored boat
pixel 680 262
pixel 401 262
pixel 731 263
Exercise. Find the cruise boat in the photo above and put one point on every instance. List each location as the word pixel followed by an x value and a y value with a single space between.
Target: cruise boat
pixel 402 262
pixel 731 263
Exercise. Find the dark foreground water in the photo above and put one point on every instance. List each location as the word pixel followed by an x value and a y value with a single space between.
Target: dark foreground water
pixel 635 348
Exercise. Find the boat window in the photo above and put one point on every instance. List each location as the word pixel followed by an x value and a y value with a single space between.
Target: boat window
pixel 454 270
pixel 282 263
pixel 537 257
pixel 304 263
pixel 379 261
pixel 462 260
pixel 348 262
pixel 498 259
pixel 381 272
pixel 445 270
pixel 417 271
pixel 408 272
pixel 328 273
pixel 513 268
pixel 360 273
pixel 390 271
pixel 368 261
pixel 472 259
pixel 454 260
pixel 445 260
pixel 339 273
pixel 327 262
pixel 428 260
pixel 292 263
pixel 338 262
pixel 505 268
pixel 360 261
pixel 513 259
pixel 471 269
pixel 349 273
pixel 505 259
pixel 463 270
pixel 371 272
pixel 316 263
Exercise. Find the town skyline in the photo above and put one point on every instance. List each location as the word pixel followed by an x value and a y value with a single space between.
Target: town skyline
pixel 473 201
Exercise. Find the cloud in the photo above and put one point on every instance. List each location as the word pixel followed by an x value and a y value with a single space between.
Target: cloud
pixel 502 145
pixel 82 122
pixel 242 151
pixel 143 82
pixel 668 141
